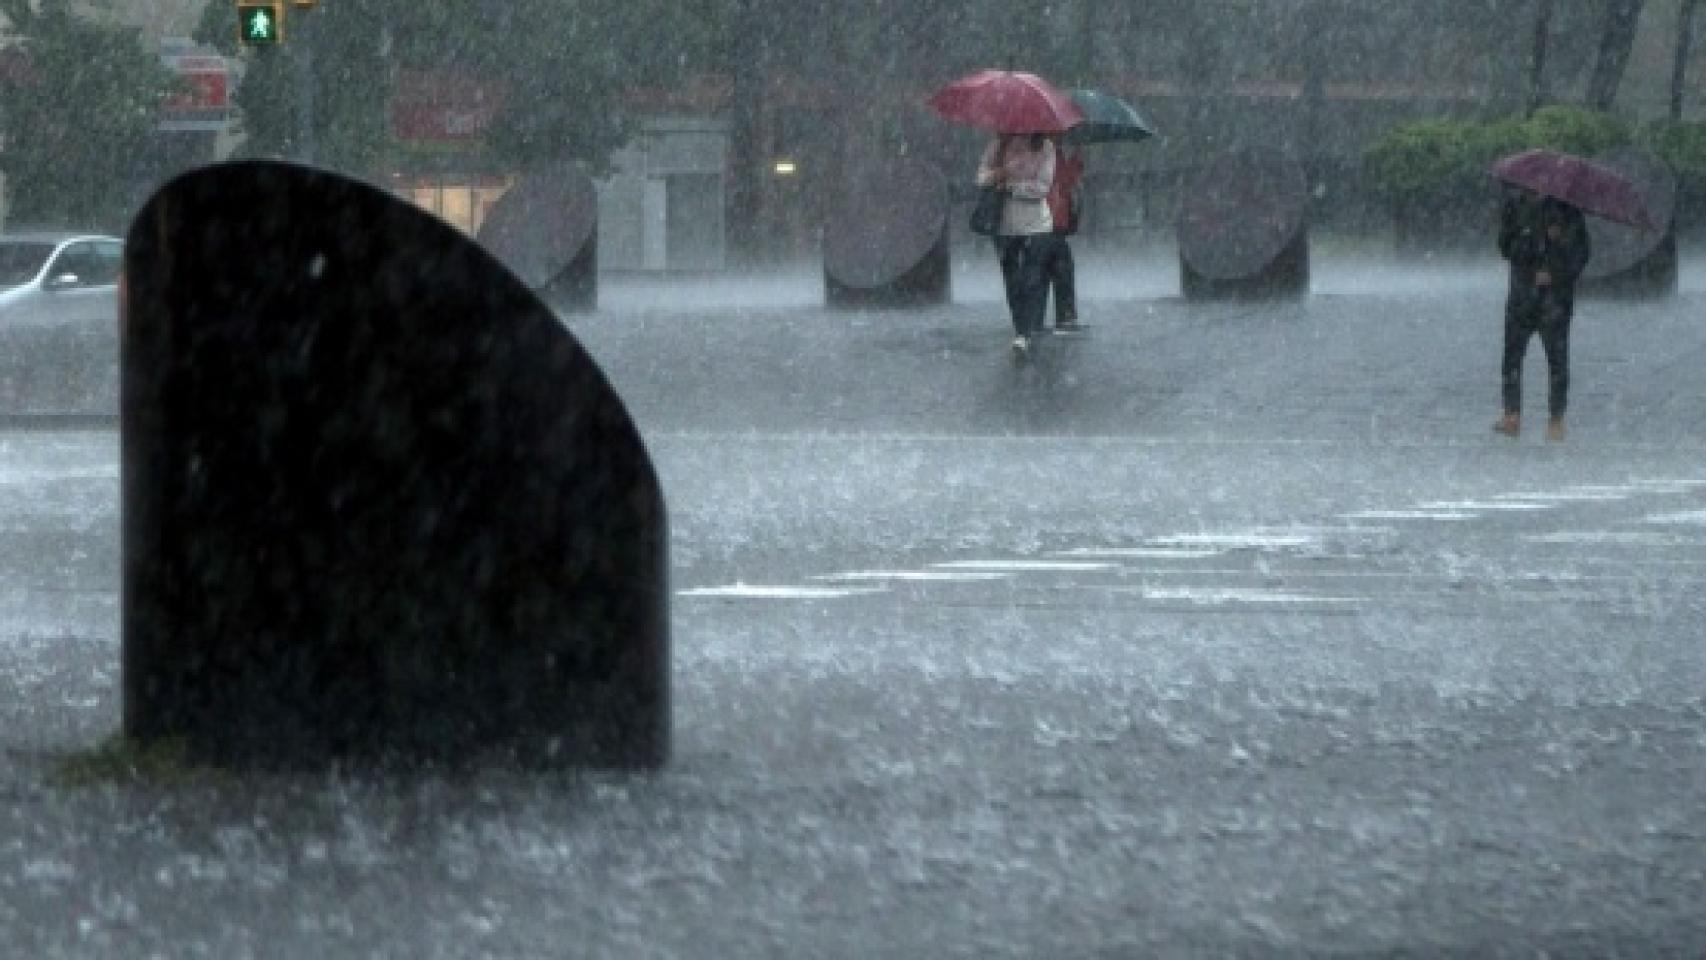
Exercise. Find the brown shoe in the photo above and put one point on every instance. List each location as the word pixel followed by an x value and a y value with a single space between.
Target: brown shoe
pixel 1555 430
pixel 1510 425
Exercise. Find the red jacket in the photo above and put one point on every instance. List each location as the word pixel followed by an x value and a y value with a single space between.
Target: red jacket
pixel 1067 169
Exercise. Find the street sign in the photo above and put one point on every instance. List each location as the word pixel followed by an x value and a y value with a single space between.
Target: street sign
pixel 260 24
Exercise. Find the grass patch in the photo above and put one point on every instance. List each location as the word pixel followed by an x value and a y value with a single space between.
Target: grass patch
pixel 123 760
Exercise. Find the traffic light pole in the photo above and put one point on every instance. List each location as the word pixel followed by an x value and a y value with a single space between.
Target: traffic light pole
pixel 305 84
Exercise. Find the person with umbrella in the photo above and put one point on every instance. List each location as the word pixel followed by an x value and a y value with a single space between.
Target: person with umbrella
pixel 1544 236
pixel 1107 119
pixel 1022 110
pixel 1060 270
pixel 1023 165
pixel 1546 242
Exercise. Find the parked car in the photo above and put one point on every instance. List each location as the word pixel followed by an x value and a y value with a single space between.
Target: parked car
pixel 59 322
pixel 57 278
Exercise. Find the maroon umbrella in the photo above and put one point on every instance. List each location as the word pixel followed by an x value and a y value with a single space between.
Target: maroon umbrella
pixel 1007 102
pixel 1577 181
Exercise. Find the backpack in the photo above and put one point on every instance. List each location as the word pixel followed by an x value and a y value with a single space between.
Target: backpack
pixel 1065 195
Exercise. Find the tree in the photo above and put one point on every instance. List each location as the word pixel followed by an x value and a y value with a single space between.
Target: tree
pixel 562 65
pixel 1679 68
pixel 80 117
pixel 1537 95
pixel 1616 39
pixel 350 74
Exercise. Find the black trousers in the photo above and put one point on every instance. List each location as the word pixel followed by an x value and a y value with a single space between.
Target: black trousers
pixel 1551 321
pixel 1063 277
pixel 1024 273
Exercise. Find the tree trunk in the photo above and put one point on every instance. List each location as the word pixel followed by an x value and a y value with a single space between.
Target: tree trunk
pixel 1537 94
pixel 1679 70
pixel 746 149
pixel 1616 39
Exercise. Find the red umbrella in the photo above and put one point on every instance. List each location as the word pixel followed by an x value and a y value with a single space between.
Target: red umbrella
pixel 1577 181
pixel 1007 102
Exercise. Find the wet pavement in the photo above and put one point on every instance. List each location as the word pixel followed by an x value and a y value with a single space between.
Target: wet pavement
pixel 1230 629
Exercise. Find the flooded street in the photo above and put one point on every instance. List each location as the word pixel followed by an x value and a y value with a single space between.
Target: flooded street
pixel 1238 632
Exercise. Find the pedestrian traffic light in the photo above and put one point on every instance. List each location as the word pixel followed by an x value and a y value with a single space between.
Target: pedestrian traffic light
pixel 260 24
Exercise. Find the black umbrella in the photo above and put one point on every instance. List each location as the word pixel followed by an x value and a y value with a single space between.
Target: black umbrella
pixel 1107 119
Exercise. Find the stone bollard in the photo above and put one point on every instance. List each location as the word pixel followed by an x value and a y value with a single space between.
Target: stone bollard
pixel 377 501
pixel 1628 261
pixel 545 229
pixel 1244 228
pixel 886 241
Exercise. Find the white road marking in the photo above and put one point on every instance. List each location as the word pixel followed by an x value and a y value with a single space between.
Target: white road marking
pixel 931 575
pixel 32 475
pixel 1408 515
pixel 1142 553
pixel 755 591
pixel 1646 487
pixel 1485 505
pixel 1627 538
pixel 1689 518
pixel 1568 496
pixel 1022 566
pixel 1209 596
pixel 1235 541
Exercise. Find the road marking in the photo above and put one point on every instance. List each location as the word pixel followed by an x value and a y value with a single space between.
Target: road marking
pixel 1513 505
pixel 1644 487
pixel 1408 515
pixel 1567 496
pixel 1024 566
pixel 1623 538
pixel 1235 541
pixel 1142 553
pixel 1211 596
pixel 755 591
pixel 930 575
pixel 1688 518
pixel 30 475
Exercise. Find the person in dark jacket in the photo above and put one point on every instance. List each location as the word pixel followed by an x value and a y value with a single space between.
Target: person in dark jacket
pixel 1063 209
pixel 1546 242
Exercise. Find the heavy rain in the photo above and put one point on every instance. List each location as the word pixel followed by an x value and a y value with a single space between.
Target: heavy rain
pixel 733 478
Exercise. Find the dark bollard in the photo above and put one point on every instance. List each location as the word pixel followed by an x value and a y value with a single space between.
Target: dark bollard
pixel 377 501
pixel 1244 229
pixel 1628 261
pixel 545 229
pixel 886 241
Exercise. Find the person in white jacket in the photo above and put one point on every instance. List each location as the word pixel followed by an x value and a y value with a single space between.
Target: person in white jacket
pixel 1023 165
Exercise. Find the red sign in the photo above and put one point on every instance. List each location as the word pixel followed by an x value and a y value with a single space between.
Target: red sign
pixel 442 106
pixel 208 80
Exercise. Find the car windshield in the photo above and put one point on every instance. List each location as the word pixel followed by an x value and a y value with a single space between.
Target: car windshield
pixel 21 262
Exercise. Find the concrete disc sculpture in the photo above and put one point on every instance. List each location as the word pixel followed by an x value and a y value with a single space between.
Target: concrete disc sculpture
pixel 377 500
pixel 1629 261
pixel 886 240
pixel 1243 227
pixel 545 229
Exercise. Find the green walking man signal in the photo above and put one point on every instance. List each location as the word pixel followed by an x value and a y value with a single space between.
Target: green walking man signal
pixel 260 24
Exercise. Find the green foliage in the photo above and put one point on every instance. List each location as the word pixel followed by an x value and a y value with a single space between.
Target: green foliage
pixel 1575 130
pixel 1445 157
pixel 562 63
pixel 76 125
pixel 122 760
pixel 1683 146
pixel 351 78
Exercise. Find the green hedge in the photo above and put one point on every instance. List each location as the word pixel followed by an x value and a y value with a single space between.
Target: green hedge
pixel 1439 158
pixel 1683 146
pixel 1431 158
